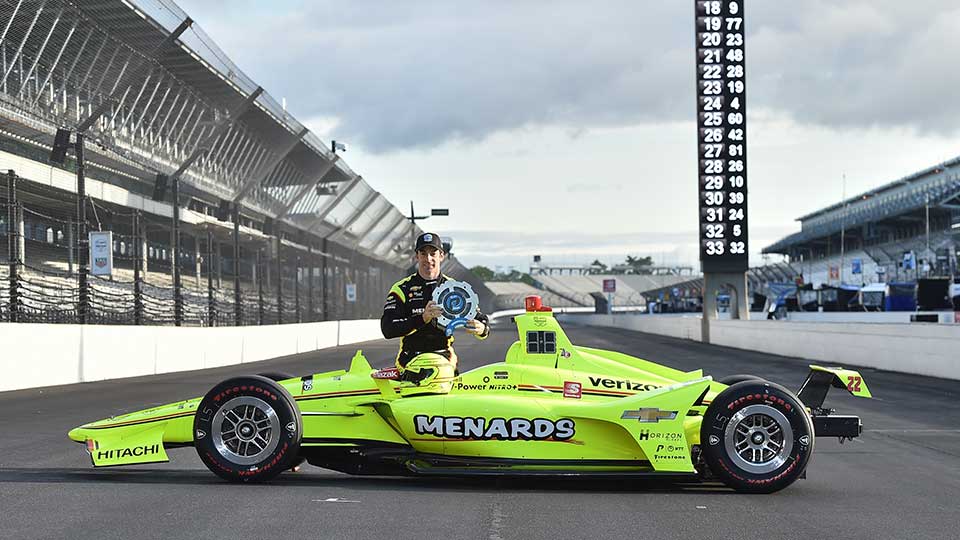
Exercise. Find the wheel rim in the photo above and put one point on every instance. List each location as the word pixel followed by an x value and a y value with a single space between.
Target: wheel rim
pixel 758 439
pixel 246 430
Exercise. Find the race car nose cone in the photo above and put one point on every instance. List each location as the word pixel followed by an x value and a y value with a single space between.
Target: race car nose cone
pixel 77 434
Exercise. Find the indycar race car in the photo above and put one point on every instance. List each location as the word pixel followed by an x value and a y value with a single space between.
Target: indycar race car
pixel 550 408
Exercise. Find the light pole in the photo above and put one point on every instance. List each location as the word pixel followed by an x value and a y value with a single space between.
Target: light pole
pixel 843 226
pixel 414 218
pixel 58 154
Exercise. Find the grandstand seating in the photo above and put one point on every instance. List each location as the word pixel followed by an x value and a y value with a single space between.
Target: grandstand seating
pixel 576 289
pixel 563 289
pixel 510 295
pixel 819 271
pixel 643 282
pixel 888 256
pixel 52 297
pixel 917 213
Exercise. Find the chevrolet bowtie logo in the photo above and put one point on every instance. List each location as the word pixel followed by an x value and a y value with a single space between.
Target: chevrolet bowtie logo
pixel 648 415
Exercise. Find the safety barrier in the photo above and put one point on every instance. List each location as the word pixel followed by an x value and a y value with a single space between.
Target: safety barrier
pixel 920 349
pixel 51 354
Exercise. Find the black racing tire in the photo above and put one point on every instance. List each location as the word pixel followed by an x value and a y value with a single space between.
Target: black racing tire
pixel 757 437
pixel 248 429
pixel 277 375
pixel 282 376
pixel 731 380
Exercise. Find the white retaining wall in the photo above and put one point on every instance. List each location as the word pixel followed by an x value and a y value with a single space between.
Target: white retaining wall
pixel 902 317
pixel 50 354
pixel 918 348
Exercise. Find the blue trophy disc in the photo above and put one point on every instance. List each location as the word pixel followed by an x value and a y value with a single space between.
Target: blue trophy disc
pixel 458 304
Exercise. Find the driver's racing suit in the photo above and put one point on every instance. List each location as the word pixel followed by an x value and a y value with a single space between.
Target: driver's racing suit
pixel 403 318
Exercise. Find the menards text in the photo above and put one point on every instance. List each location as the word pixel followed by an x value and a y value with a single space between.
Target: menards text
pixel 456 427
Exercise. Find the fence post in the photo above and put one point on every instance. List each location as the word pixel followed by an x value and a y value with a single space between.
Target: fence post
pixel 323 281
pixel 177 291
pixel 279 281
pixel 13 239
pixel 70 248
pixel 16 263
pixel 310 261
pixel 237 299
pixel 211 305
pixel 296 291
pixel 137 277
pixel 260 287
pixel 82 239
pixel 218 267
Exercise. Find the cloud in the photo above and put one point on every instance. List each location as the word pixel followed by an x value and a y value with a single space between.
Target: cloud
pixel 493 247
pixel 593 188
pixel 421 73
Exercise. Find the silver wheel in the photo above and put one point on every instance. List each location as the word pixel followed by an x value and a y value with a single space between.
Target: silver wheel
pixel 245 430
pixel 759 439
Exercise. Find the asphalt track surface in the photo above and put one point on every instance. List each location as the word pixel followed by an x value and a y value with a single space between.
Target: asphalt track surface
pixel 901 479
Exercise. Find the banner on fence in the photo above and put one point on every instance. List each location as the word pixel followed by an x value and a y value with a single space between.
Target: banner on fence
pixel 101 253
pixel 351 292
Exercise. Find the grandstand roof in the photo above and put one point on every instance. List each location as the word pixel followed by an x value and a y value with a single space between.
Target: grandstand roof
pixel 936 185
pixel 165 106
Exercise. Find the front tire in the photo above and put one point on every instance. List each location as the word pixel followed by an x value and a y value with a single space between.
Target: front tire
pixel 248 429
pixel 757 437
pixel 277 375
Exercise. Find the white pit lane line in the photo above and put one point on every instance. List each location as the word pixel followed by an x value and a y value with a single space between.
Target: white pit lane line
pixel 912 430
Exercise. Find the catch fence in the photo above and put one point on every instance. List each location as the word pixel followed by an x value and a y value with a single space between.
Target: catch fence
pixel 272 281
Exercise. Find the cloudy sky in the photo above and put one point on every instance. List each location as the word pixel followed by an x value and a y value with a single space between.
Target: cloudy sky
pixel 567 128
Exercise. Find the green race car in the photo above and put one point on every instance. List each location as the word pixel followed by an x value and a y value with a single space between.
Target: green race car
pixel 550 408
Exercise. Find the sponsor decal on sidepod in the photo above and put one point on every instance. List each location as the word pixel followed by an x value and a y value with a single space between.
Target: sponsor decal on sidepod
pixel 456 427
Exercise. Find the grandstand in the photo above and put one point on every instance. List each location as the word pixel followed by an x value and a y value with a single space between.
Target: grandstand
pixel 577 288
pixel 687 294
pixel 901 231
pixel 273 226
pixel 510 295
pixel 572 285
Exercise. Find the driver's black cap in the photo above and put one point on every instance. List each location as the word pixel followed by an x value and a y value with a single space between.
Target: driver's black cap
pixel 428 239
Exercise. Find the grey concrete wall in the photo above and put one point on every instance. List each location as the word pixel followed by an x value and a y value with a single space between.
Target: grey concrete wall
pixel 921 349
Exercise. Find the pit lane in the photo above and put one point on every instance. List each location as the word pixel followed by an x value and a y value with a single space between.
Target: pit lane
pixel 900 479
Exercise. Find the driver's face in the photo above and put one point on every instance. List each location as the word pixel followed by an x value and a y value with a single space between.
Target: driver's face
pixel 428 262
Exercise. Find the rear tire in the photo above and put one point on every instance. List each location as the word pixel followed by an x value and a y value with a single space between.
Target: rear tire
pixel 757 437
pixel 248 429
pixel 731 380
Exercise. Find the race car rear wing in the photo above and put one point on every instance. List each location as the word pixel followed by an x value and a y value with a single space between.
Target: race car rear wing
pixel 814 391
pixel 820 379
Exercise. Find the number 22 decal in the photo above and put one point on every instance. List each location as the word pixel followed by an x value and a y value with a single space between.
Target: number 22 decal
pixel 853 383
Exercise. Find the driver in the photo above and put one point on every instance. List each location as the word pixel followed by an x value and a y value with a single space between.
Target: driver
pixel 410 312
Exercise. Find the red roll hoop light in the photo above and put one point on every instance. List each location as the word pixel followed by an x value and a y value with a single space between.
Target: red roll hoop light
pixel 534 303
